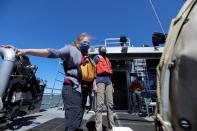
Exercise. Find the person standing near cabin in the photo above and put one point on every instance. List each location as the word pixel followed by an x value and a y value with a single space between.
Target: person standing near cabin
pixel 72 56
pixel 136 88
pixel 103 88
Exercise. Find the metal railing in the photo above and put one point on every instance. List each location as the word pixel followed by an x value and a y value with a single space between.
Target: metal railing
pixel 53 98
pixel 116 41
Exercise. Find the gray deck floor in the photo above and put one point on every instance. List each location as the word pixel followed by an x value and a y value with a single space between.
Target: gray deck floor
pixel 53 120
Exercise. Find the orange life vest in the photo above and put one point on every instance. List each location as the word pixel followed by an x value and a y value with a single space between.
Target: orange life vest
pixel 103 66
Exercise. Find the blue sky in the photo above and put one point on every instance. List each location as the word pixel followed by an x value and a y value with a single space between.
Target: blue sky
pixel 54 23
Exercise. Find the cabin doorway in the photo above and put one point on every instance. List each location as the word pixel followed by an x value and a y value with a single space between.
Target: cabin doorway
pixel 120 85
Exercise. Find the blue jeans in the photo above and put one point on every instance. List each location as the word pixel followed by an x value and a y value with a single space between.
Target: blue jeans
pixel 136 100
pixel 72 100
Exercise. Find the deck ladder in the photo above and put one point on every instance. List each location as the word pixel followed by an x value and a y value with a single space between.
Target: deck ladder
pixel 140 69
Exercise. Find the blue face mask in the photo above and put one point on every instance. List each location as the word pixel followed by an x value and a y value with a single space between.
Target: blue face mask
pixel 84 46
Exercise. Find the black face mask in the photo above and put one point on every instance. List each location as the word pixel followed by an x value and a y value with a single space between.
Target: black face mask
pixel 103 53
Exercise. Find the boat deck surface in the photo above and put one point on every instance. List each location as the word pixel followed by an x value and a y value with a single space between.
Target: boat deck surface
pixel 53 120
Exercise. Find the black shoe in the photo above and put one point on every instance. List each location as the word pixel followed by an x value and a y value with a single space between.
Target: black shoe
pixel 78 130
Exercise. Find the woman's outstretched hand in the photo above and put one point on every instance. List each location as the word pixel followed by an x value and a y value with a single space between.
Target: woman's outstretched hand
pixel 20 52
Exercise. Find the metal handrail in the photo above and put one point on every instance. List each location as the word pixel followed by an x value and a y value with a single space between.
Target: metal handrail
pixel 109 41
pixel 53 88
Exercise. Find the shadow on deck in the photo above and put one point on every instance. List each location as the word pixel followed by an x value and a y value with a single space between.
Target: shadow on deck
pixel 136 123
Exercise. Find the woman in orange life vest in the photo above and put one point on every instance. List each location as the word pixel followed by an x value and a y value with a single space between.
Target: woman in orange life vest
pixel 103 88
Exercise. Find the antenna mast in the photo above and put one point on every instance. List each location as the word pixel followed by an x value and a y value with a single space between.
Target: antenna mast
pixel 156 15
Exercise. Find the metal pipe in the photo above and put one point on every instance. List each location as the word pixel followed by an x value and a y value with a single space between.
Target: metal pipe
pixel 8 58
